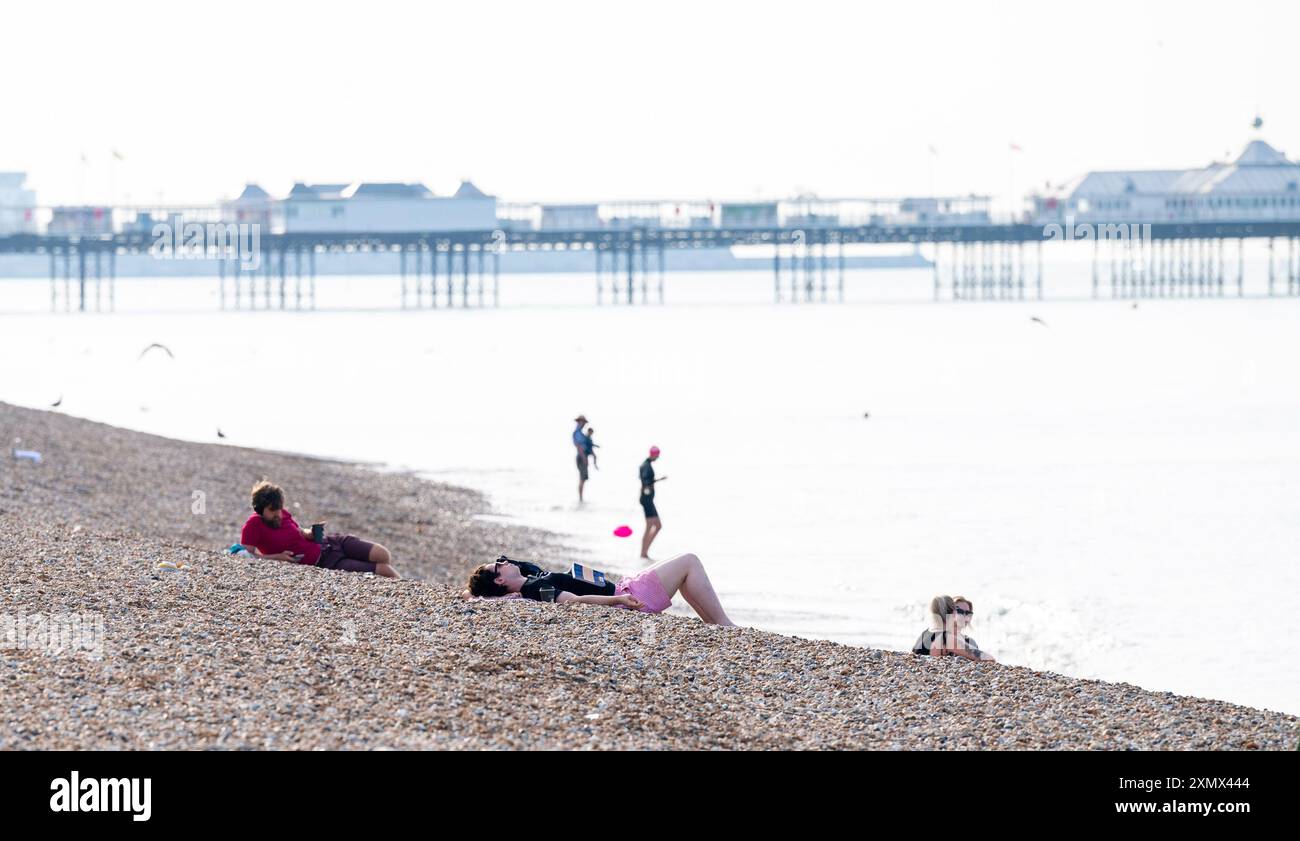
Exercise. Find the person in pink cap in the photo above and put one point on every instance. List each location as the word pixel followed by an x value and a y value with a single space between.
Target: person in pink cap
pixel 653 525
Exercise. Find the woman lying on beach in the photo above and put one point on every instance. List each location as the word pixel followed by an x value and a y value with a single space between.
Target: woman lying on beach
pixel 949 617
pixel 650 591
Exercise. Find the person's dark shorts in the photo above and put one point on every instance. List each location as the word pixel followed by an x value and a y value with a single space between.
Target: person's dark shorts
pixel 346 552
pixel 648 506
pixel 582 468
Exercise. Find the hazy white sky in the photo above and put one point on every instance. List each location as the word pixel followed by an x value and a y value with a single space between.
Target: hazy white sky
pixel 577 100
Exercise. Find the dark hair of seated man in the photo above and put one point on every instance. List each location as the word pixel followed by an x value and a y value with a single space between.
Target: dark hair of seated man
pixel 267 495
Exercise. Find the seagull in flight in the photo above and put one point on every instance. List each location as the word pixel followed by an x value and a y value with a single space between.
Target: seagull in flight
pixel 163 348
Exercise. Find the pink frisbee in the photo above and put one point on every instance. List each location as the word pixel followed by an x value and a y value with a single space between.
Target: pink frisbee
pixel 623 531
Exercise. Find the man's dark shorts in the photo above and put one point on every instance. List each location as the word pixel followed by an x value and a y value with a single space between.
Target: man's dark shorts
pixel 648 506
pixel 346 552
pixel 582 468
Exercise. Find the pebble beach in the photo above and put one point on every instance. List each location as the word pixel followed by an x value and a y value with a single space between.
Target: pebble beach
pixel 223 652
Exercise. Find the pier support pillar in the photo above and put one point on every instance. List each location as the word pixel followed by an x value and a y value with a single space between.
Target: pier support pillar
pixel 631 271
pixel 284 282
pixel 451 273
pixel 81 272
pixel 808 269
pixel 464 277
pixel 401 273
pixel 67 278
pixel 1202 268
pixel 54 282
pixel 794 266
pixel 840 281
pixel 1020 271
pixel 1184 289
pixel 958 250
pixel 1039 279
pixel 825 243
pixel 419 276
pixel 776 271
pixel 1096 255
pixel 1218 267
pixel 267 271
pixel 936 269
pixel 662 253
pixel 480 276
pixel 645 274
pixel 1290 265
pixel 1008 270
pixel 433 275
pixel 1241 267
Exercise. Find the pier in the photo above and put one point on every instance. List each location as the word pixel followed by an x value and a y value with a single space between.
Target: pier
pixel 970 262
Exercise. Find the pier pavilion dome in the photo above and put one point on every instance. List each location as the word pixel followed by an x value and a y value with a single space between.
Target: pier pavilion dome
pixel 1259 153
pixel 386 190
pixel 309 192
pixel 1260 184
pixel 467 190
pixel 253 205
pixel 253 192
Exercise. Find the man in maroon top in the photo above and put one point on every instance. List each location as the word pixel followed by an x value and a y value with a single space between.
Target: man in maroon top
pixel 273 533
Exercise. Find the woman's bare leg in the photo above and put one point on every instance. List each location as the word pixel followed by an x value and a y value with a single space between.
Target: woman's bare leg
pixel 685 574
pixel 652 527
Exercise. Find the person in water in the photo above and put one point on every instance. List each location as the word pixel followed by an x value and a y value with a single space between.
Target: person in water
pixel 653 525
pixel 650 591
pixel 591 448
pixel 949 618
pixel 582 444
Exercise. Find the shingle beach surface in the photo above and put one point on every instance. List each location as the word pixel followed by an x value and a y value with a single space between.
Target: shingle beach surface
pixel 237 653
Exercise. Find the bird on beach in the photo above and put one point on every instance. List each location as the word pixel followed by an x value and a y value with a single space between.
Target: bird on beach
pixel 1037 319
pixel 163 348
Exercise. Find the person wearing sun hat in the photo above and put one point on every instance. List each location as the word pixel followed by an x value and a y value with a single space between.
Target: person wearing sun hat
pixel 583 445
pixel 653 525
